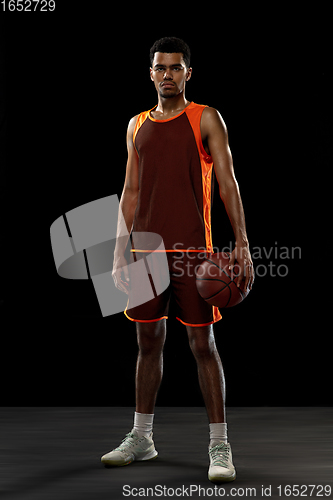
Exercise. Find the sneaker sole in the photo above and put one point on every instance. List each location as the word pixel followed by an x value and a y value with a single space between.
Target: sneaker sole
pixel 120 463
pixel 115 463
pixel 219 479
pixel 150 456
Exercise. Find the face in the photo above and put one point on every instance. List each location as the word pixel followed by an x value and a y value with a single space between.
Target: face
pixel 169 73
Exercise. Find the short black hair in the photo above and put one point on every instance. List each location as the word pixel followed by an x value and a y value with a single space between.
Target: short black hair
pixel 171 44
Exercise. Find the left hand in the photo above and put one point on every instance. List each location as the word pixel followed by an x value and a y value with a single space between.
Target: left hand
pixel 241 253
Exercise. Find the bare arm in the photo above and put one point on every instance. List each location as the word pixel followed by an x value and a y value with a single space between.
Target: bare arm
pixel 215 136
pixel 128 203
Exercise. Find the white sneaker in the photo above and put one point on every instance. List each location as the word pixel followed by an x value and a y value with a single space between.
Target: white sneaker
pixel 221 468
pixel 131 448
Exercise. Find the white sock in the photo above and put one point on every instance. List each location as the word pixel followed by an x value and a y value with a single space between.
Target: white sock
pixel 143 423
pixel 217 434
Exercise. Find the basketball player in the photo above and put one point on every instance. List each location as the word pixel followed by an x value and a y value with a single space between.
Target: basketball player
pixel 172 150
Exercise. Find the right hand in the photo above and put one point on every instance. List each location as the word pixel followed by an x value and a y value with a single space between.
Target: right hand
pixel 120 274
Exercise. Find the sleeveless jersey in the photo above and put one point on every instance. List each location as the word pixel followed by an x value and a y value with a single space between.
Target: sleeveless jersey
pixel 175 180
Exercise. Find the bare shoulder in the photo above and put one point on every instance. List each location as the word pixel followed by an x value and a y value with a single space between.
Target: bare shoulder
pixel 130 130
pixel 212 119
pixel 132 123
pixel 212 125
pixel 213 129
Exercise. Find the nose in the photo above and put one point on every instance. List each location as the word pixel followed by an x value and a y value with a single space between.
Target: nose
pixel 167 75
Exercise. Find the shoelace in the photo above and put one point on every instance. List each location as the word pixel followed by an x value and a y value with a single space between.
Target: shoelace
pixel 127 442
pixel 220 454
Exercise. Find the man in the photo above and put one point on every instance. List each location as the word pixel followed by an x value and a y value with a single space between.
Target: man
pixel 172 150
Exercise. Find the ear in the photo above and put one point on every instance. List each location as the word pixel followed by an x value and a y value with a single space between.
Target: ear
pixel 188 74
pixel 151 74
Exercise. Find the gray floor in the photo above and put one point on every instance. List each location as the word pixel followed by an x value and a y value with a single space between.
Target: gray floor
pixel 54 453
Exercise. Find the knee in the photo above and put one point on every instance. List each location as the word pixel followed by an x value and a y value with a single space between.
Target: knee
pixel 202 347
pixel 148 346
pixel 150 342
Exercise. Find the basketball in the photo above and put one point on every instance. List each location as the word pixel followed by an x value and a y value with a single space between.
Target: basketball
pixel 217 284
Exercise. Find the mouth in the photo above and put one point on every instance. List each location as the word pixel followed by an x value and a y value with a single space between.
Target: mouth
pixel 167 85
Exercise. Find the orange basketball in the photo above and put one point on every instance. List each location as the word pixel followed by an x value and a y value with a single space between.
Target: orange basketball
pixel 217 284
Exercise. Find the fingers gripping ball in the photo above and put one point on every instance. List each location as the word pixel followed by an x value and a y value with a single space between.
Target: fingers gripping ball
pixel 217 284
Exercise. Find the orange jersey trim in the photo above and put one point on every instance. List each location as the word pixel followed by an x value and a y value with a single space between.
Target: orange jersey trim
pixel 194 115
pixel 142 117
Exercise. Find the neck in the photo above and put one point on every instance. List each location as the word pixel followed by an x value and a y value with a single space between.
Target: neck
pixel 171 104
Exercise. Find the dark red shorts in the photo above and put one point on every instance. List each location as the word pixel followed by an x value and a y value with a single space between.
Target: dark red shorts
pixel 191 309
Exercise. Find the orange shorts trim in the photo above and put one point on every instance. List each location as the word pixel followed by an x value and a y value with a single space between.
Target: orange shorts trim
pixel 166 317
pixel 201 324
pixel 144 320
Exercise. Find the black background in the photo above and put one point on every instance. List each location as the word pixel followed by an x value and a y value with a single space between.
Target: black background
pixel 71 80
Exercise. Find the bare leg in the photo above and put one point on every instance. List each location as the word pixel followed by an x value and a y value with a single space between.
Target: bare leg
pixel 210 371
pixel 149 367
